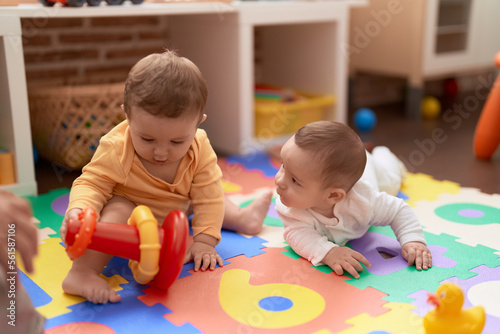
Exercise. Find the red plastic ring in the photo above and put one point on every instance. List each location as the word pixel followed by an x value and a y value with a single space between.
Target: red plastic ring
pixel 83 238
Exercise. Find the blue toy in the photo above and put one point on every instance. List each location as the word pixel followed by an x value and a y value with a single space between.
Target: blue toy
pixel 365 119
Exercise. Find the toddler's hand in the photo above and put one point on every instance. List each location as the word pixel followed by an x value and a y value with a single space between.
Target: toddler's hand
pixel 344 258
pixel 416 253
pixel 204 256
pixel 71 214
pixel 203 253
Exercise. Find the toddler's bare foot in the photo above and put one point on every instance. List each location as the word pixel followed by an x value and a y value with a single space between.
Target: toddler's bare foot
pixel 253 215
pixel 86 282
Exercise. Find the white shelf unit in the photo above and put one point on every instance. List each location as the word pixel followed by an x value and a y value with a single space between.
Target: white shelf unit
pixel 421 40
pixel 15 131
pixel 473 43
pixel 302 48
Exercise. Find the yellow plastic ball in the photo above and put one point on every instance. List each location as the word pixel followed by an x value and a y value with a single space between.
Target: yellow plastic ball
pixel 430 108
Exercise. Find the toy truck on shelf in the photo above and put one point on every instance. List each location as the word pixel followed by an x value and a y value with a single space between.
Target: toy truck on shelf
pixel 79 3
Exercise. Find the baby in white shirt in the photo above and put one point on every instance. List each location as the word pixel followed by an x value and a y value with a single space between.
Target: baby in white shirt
pixel 327 197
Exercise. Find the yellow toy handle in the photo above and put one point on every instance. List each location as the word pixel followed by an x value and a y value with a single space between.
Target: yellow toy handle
pixel 148 266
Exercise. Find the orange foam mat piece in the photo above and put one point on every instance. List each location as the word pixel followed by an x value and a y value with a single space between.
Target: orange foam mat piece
pixel 200 298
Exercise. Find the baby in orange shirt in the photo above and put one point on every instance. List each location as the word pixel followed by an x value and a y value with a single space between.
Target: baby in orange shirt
pixel 157 157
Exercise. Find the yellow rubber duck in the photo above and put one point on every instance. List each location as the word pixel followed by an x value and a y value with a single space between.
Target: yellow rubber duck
pixel 448 316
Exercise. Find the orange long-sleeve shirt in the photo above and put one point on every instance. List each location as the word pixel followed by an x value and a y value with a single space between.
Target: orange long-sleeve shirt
pixel 115 169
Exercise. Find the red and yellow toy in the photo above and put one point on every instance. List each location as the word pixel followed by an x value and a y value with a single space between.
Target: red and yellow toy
pixel 156 254
pixel 487 136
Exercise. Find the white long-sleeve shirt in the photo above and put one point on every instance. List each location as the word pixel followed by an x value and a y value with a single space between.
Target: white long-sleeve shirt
pixel 312 235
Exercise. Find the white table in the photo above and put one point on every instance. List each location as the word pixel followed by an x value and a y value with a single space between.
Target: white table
pixel 303 46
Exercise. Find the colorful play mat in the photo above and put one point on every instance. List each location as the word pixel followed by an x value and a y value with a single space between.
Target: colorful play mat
pixel 264 287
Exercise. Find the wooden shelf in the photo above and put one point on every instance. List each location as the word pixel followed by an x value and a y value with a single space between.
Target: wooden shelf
pixel 126 9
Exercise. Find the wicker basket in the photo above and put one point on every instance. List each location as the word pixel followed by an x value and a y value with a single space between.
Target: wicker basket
pixel 67 122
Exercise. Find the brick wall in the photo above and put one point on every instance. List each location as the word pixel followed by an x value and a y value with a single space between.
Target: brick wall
pixel 89 50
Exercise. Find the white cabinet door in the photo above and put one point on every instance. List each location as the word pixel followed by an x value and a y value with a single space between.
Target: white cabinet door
pixel 489 32
pixel 451 41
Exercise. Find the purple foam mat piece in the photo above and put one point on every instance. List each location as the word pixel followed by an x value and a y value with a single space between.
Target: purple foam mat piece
pixel 60 204
pixel 272 211
pixel 372 243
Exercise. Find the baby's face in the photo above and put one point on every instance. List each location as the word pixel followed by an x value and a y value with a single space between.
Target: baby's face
pixel 159 140
pixel 298 180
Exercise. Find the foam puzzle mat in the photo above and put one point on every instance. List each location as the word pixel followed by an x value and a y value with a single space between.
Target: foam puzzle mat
pixel 264 287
